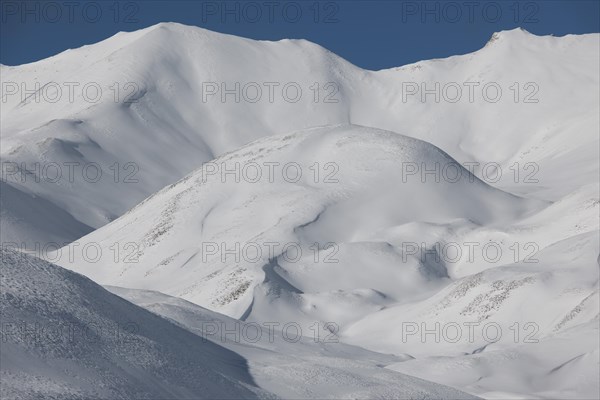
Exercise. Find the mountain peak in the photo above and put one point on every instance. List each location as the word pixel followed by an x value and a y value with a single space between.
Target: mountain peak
pixel 517 34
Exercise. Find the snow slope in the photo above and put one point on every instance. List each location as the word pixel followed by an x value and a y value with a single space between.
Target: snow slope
pixel 181 235
pixel 172 125
pixel 561 366
pixel 168 215
pixel 369 285
pixel 66 337
pixel 313 366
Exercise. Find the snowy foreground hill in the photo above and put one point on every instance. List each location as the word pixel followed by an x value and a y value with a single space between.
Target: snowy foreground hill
pixel 66 337
pixel 363 240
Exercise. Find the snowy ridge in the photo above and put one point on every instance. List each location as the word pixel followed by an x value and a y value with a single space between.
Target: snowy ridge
pixel 174 126
pixel 196 208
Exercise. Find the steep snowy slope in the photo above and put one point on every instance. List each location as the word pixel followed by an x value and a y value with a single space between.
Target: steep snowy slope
pixel 354 246
pixel 36 220
pixel 213 238
pixel 159 111
pixel 517 330
pixel 561 366
pixel 64 336
pixel 312 366
pixel 335 210
pixel 558 292
pixel 163 79
pixel 533 99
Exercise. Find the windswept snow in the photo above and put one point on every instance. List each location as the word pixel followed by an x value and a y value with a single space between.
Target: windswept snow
pixel 205 239
pixel 309 367
pixel 162 78
pixel 181 235
pixel 343 212
pixel 66 337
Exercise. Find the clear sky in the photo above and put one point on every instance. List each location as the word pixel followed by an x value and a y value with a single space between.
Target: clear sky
pixel 371 34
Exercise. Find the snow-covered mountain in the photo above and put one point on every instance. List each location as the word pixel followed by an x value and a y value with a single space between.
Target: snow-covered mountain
pixel 315 366
pixel 63 336
pixel 388 208
pixel 153 90
pixel 340 251
pixel 66 337
pixel 352 188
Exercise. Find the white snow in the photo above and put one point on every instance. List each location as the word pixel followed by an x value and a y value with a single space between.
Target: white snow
pixel 174 126
pixel 66 337
pixel 170 236
pixel 307 368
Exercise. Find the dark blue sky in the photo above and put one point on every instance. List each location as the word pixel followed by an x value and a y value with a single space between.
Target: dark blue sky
pixel 371 34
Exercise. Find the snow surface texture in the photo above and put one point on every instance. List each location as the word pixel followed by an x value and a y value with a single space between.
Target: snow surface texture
pixel 162 73
pixel 370 286
pixel 354 200
pixel 305 369
pixel 67 337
